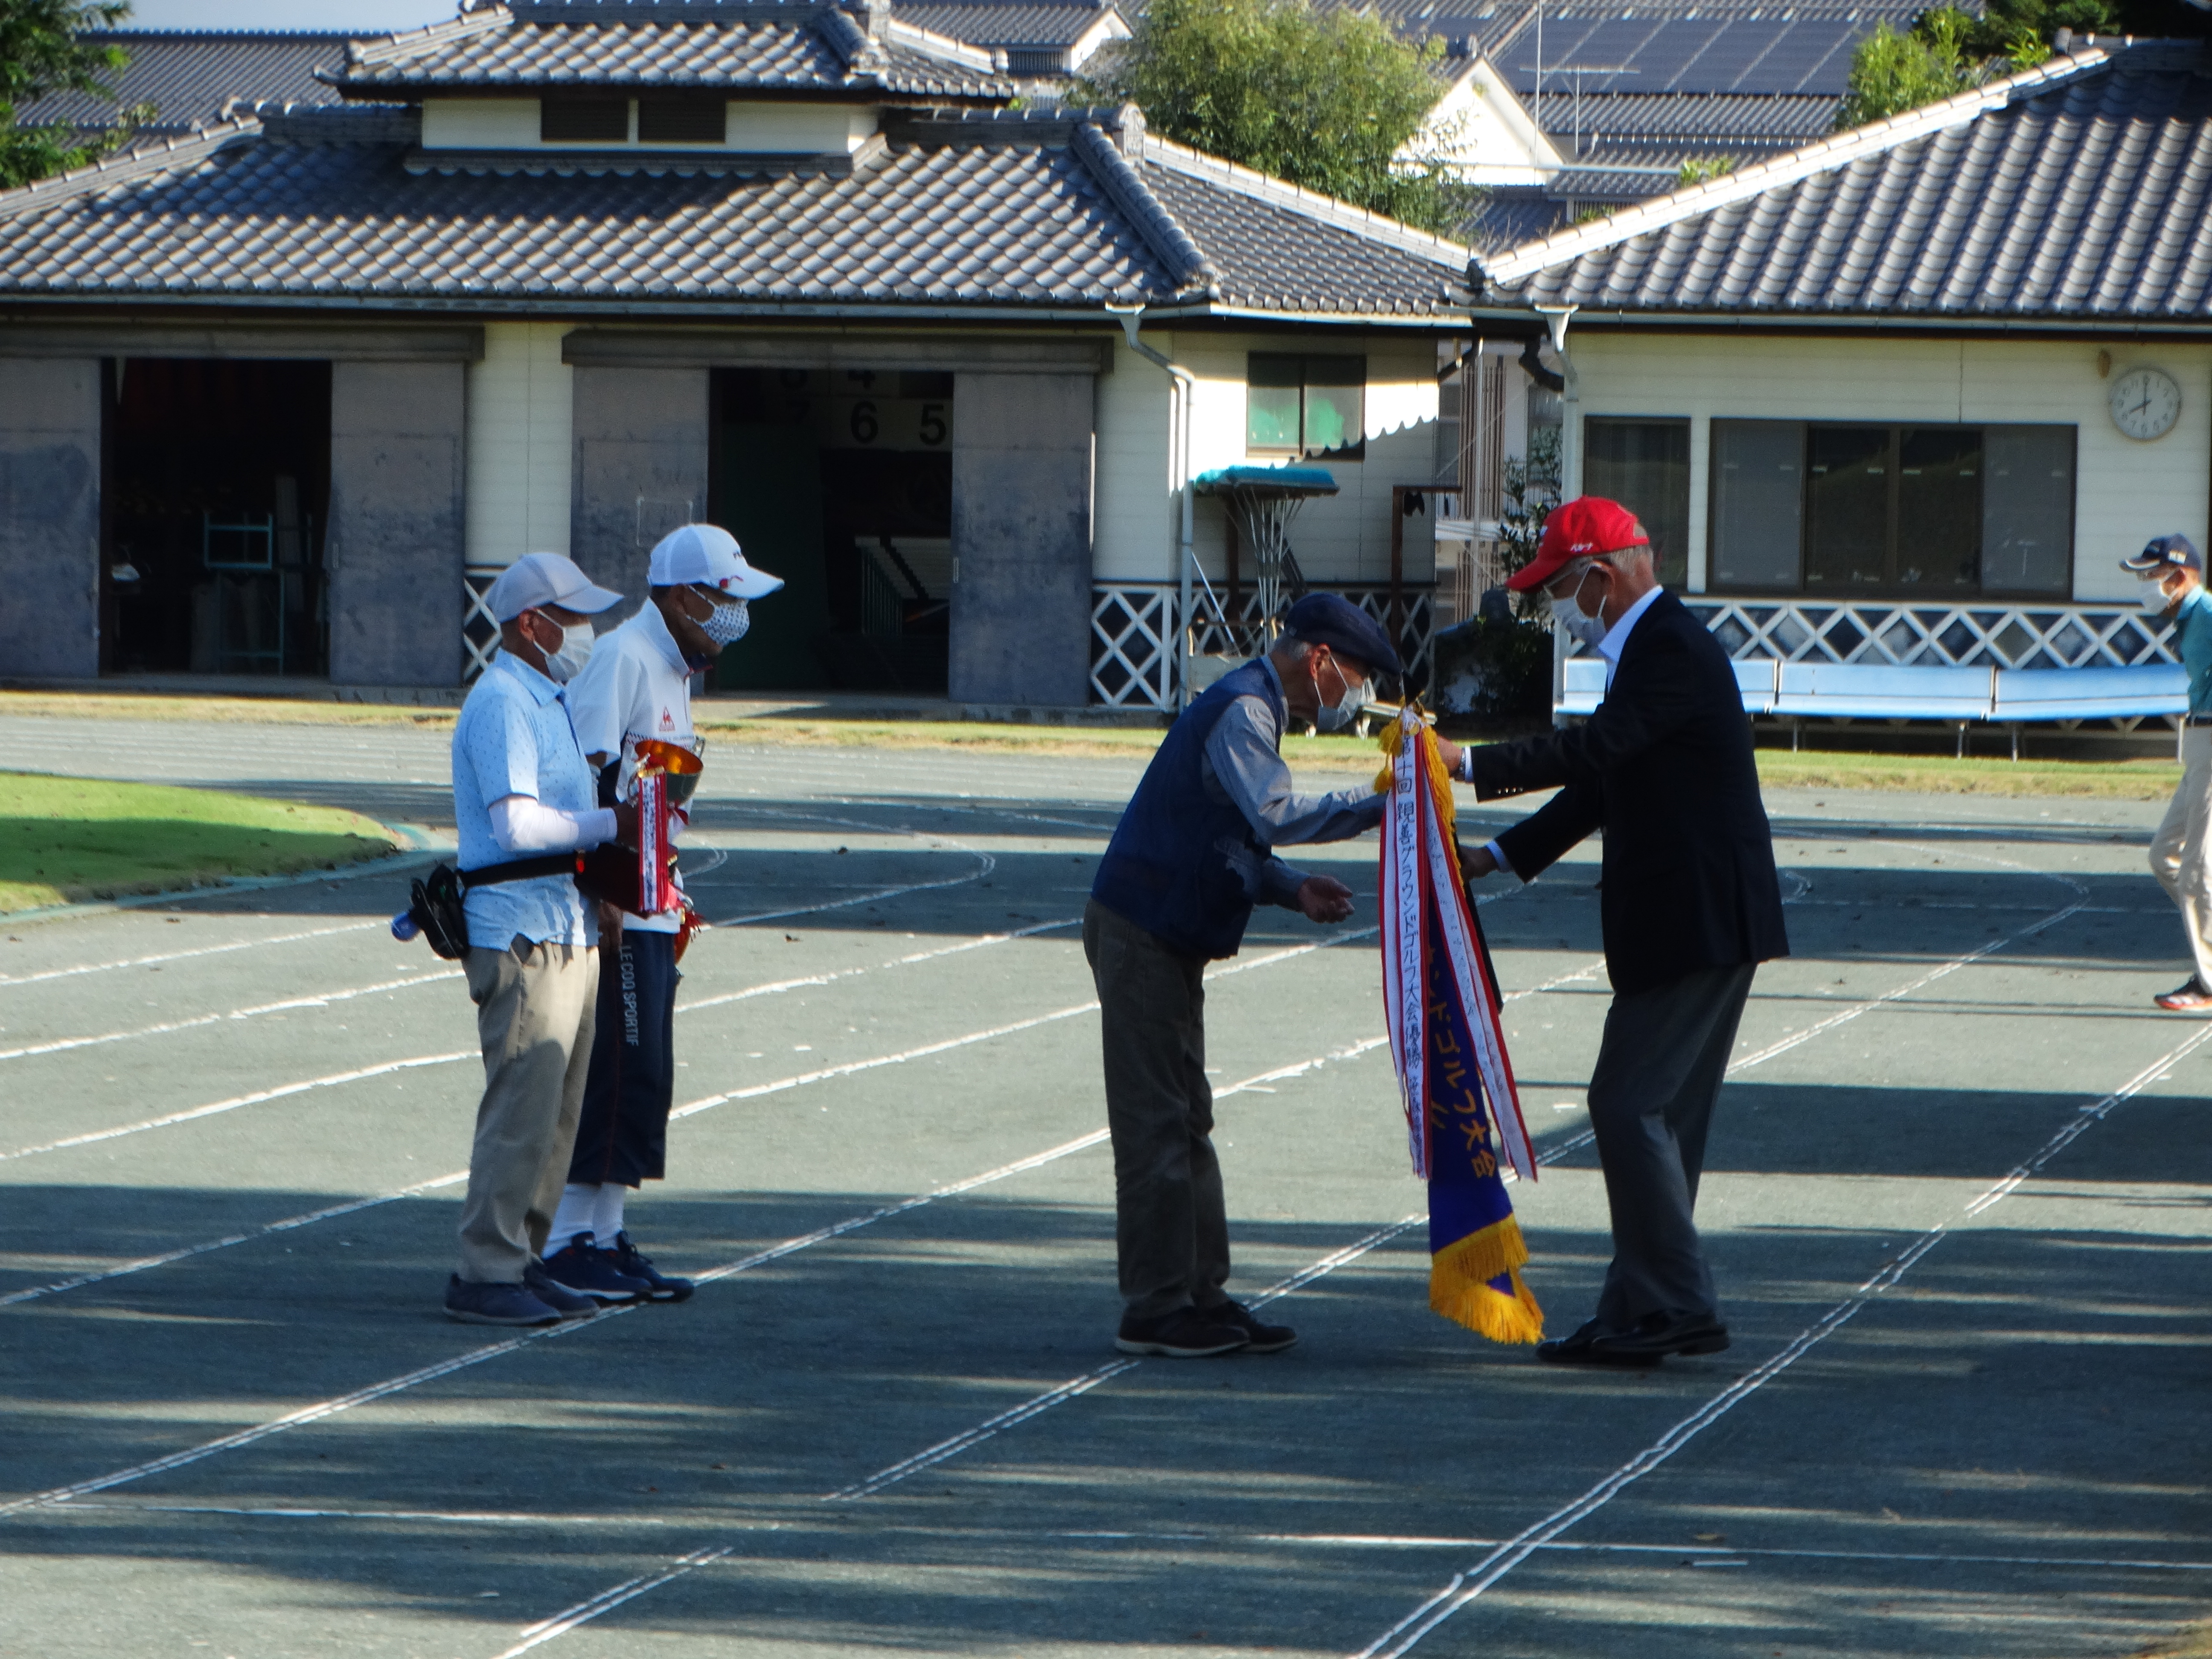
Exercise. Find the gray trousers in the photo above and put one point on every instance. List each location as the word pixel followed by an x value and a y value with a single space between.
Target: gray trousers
pixel 1651 1098
pixel 1170 1230
pixel 535 1011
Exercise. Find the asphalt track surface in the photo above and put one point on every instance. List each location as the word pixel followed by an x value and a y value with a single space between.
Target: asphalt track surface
pixel 1957 1201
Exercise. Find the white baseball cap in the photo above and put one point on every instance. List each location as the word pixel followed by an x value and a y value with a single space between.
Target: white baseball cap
pixel 709 554
pixel 536 579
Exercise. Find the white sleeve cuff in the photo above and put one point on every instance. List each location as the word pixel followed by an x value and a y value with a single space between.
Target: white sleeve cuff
pixel 524 824
pixel 1498 853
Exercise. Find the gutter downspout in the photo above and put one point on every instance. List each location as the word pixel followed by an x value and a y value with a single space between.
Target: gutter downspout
pixel 1182 398
pixel 1570 468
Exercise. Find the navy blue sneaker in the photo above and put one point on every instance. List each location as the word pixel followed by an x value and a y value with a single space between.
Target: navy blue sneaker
pixel 569 1304
pixel 635 1265
pixel 496 1304
pixel 585 1271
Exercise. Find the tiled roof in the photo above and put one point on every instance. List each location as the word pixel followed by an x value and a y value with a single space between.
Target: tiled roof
pixel 767 45
pixel 2079 190
pixel 188 75
pixel 1017 26
pixel 1039 212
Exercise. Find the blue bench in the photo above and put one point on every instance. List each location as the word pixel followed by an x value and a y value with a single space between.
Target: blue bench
pixel 2010 696
pixel 1585 686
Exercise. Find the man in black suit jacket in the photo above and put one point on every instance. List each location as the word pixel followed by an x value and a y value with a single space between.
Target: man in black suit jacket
pixel 1689 901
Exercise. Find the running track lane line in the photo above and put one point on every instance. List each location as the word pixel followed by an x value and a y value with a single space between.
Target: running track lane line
pixel 607 1599
pixel 375 1391
pixel 320 1000
pixel 350 1207
pixel 9 982
pixel 460 1362
pixel 335 1079
pixel 1402 1637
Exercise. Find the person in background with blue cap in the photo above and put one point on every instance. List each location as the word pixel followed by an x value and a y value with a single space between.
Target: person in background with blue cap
pixel 2179 856
pixel 524 801
pixel 1192 853
pixel 638 687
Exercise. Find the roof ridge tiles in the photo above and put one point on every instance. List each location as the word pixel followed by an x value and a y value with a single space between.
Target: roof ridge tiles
pixel 1280 192
pixel 1823 155
pixel 1170 242
pixel 162 156
pixel 931 44
pixel 401 43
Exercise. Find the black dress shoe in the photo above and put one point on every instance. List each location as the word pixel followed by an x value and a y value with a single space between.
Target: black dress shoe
pixel 1657 1335
pixel 1583 1348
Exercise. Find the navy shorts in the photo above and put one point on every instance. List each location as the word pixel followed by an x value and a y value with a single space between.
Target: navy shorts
pixel 623 1136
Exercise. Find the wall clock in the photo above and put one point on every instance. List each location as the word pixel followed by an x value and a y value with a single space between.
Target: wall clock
pixel 2145 404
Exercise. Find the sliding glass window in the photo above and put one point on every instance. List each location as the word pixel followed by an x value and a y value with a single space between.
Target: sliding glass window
pixel 1645 465
pixel 1892 510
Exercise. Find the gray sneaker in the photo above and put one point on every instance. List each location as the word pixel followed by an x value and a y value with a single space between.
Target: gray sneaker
pixel 496 1304
pixel 1186 1333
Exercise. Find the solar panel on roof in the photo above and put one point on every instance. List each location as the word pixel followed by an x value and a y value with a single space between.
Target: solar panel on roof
pixel 1802 49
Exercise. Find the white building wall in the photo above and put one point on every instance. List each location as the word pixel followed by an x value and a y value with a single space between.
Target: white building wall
pixel 520 411
pixel 755 128
pixel 1343 538
pixel 2125 492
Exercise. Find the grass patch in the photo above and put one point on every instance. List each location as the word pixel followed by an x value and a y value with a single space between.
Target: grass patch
pixel 64 840
pixel 1939 774
pixel 2194 1642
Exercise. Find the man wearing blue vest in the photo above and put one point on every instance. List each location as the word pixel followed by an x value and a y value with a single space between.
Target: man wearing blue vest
pixel 1193 852
pixel 2181 852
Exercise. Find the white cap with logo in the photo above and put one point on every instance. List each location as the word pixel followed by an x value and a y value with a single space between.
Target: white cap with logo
pixel 708 554
pixel 536 579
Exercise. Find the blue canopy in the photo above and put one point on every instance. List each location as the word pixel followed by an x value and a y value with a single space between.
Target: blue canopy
pixel 1266 481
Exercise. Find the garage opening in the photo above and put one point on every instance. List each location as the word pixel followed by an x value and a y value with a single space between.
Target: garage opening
pixel 216 485
pixel 841 483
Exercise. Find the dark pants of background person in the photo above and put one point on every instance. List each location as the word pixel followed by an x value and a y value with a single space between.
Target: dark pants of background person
pixel 1170 1225
pixel 1651 1097
pixel 534 1021
pixel 623 1136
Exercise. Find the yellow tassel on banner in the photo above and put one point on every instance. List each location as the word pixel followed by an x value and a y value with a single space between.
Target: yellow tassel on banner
pixel 1460 1290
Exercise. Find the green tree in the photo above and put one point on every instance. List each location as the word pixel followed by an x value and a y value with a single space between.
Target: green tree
pixel 1330 100
pixel 42 49
pixel 1947 51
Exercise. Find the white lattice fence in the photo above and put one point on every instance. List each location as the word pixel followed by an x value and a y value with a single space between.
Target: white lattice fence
pixel 1133 635
pixel 1937 636
pixel 479 633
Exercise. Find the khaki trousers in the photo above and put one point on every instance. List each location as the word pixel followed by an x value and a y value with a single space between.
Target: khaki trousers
pixel 1170 1228
pixel 535 1005
pixel 2178 855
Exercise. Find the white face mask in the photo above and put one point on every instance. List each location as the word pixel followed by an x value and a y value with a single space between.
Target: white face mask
pixel 1567 616
pixel 2158 601
pixel 725 624
pixel 565 663
pixel 1338 716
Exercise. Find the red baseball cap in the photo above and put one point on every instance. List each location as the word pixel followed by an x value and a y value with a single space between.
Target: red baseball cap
pixel 1579 529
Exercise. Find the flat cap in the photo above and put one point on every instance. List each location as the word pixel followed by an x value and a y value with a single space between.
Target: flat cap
pixel 1332 620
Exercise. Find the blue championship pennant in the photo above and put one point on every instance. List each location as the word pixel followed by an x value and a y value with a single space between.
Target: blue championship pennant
pixel 1464 1112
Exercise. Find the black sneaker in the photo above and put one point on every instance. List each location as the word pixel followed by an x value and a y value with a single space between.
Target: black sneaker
pixel 636 1264
pixel 1186 1333
pixel 473 1303
pixel 588 1270
pixel 559 1297
pixel 1258 1338
pixel 2186 999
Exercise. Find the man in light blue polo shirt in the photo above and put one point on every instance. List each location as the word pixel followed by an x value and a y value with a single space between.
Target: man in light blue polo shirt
pixel 525 801
pixel 2181 852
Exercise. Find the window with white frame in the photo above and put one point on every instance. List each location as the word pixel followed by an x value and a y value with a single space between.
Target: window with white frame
pixel 1309 408
pixel 1892 510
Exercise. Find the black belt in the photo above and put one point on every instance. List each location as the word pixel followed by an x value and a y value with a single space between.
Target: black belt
pixel 552 864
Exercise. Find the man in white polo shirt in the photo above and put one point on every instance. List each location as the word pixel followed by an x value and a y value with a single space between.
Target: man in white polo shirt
pixel 638 687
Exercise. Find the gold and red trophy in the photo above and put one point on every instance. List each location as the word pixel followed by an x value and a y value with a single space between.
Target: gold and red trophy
pixel 659 778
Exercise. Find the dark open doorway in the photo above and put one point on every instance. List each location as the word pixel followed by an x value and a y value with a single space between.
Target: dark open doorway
pixel 841 483
pixel 217 483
